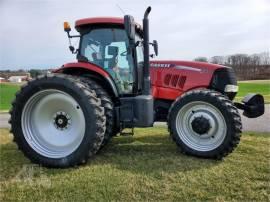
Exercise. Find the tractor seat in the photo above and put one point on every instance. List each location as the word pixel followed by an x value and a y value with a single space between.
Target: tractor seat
pixel 112 51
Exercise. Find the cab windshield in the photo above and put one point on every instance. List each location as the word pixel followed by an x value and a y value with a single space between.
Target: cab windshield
pixel 109 49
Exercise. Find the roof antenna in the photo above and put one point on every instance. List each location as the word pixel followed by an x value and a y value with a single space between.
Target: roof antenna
pixel 121 9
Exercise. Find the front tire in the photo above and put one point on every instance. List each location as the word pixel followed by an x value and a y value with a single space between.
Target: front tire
pixel 57 121
pixel 205 123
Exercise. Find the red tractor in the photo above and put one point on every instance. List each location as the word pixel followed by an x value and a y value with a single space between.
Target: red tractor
pixel 62 119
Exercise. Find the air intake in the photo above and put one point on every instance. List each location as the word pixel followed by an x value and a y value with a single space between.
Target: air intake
pixel 175 81
pixel 182 81
pixel 167 79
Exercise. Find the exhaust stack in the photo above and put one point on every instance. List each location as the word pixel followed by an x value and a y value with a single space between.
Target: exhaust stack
pixel 146 70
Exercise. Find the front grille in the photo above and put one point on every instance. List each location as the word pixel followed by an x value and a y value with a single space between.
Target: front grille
pixel 222 77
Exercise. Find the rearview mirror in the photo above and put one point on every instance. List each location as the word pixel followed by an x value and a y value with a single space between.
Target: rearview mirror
pixel 129 26
pixel 155 45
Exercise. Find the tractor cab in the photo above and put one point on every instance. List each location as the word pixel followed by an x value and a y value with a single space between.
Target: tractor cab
pixel 104 42
pixel 108 46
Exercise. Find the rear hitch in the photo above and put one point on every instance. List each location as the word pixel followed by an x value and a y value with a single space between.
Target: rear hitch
pixel 252 105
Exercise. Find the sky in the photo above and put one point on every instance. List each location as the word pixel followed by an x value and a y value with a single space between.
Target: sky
pixel 32 36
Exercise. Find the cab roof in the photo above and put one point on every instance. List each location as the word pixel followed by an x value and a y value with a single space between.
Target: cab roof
pixel 99 20
pixel 104 20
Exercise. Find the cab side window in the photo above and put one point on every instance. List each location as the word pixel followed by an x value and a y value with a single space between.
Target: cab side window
pixel 108 48
pixel 119 64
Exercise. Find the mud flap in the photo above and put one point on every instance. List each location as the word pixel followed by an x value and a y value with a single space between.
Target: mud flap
pixel 252 105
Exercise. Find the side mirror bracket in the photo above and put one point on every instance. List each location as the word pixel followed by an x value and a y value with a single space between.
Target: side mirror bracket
pixel 67 29
pixel 155 46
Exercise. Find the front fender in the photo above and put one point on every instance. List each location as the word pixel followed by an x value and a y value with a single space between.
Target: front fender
pixel 252 105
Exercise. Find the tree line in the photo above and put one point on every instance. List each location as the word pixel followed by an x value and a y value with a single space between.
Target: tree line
pixel 246 67
pixel 254 66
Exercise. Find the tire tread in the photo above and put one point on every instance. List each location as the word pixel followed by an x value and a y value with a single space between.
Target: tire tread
pixel 236 124
pixel 92 99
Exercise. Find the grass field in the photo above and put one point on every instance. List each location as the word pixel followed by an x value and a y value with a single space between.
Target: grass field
pixel 7 91
pixel 261 86
pixel 146 167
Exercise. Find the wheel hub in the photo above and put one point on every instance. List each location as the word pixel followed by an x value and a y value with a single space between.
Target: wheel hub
pixel 53 123
pixel 200 125
pixel 61 120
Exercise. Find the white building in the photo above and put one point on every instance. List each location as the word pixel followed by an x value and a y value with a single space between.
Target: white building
pixel 17 79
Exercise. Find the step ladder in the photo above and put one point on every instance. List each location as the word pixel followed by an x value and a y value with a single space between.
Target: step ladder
pixel 128 133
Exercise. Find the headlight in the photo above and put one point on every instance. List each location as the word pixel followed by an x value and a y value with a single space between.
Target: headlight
pixel 231 88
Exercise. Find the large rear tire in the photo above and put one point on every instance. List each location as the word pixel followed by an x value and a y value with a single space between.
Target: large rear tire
pixel 205 123
pixel 107 103
pixel 57 121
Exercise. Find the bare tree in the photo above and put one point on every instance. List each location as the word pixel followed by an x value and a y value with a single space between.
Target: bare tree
pixel 217 60
pixel 264 58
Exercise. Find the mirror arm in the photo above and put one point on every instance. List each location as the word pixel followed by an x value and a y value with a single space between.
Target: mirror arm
pixel 71 48
pixel 67 29
pixel 138 43
pixel 72 36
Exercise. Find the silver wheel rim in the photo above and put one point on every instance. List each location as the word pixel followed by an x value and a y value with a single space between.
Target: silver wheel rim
pixel 53 123
pixel 201 142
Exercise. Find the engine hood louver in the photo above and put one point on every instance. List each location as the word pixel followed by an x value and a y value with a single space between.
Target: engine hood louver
pixel 174 80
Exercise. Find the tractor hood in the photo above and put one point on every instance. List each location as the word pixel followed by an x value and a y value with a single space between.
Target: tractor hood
pixel 169 79
pixel 185 65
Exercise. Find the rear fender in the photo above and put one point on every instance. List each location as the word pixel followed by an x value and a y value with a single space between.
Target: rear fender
pixel 91 71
